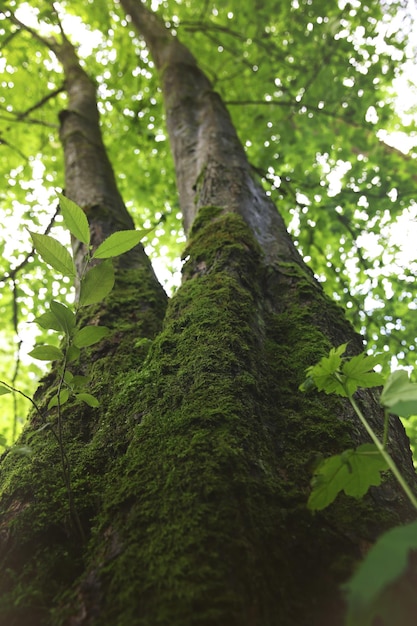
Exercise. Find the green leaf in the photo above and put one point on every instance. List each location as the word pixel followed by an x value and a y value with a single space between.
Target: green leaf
pixel 75 219
pixel 4 390
pixel 400 395
pixel 358 372
pixel 384 563
pixel 97 283
pixel 48 321
pixel 360 364
pixel 54 253
pixel 89 335
pixel 46 353
pixel 118 243
pixel 59 317
pixel 63 397
pixel 68 377
pixel 333 374
pixel 64 316
pixel 308 384
pixel 324 372
pixel 353 472
pixel 88 399
pixel 73 353
pixel 79 382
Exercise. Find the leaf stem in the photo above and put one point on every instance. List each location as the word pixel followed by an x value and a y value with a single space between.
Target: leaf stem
pixel 66 466
pixel 386 424
pixel 387 457
pixel 25 396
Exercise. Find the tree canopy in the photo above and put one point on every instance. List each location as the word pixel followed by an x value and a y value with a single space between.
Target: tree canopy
pixel 311 90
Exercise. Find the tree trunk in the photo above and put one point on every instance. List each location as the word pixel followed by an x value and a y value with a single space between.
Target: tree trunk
pixel 190 481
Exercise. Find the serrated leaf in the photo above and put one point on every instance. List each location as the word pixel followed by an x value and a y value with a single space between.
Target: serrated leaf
pixel 89 335
pixel 339 350
pixel 97 283
pixel 54 253
pixel 4 390
pixel 353 472
pixel 119 243
pixel 357 371
pixel 63 397
pixel 324 372
pixel 48 321
pixel 46 353
pixel 366 380
pixel 360 363
pixel 65 317
pixel 75 219
pixel 385 562
pixel 400 395
pixel 88 399
pixel 329 384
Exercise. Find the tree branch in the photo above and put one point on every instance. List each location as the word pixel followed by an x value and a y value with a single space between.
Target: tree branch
pixel 13 148
pixel 13 272
pixel 41 102
pixel 31 120
pixel 49 42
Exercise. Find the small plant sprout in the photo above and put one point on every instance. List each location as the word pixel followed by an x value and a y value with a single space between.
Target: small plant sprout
pixel 354 471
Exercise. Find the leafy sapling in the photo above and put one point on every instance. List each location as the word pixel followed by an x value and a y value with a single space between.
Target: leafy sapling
pixel 344 376
pixel 355 470
pixel 96 282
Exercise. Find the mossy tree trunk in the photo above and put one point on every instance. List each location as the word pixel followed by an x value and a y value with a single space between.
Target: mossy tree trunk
pixel 191 479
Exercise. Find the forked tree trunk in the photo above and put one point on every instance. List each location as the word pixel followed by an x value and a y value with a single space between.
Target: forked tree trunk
pixel 191 479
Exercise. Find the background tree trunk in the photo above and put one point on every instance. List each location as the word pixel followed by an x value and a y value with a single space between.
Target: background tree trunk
pixel 191 479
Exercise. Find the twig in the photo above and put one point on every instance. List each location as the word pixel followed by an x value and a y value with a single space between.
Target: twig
pixel 11 275
pixel 41 102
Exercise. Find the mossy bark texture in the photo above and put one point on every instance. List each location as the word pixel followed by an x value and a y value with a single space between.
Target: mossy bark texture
pixel 190 481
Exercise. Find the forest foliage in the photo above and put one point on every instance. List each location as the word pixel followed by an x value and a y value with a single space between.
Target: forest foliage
pixel 311 87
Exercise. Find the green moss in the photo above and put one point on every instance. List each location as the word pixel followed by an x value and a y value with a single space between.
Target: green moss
pixel 193 475
pixel 210 228
pixel 204 216
pixel 44 550
pixel 199 391
pixel 216 473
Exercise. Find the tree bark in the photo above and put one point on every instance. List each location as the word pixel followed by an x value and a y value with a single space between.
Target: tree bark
pixel 210 162
pixel 192 478
pixel 35 513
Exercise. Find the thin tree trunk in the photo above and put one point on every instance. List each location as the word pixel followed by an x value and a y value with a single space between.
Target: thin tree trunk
pixel 210 162
pixel 36 519
pixel 89 176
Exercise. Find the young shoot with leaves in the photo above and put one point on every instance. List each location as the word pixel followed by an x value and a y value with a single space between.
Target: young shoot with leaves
pixel 354 471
